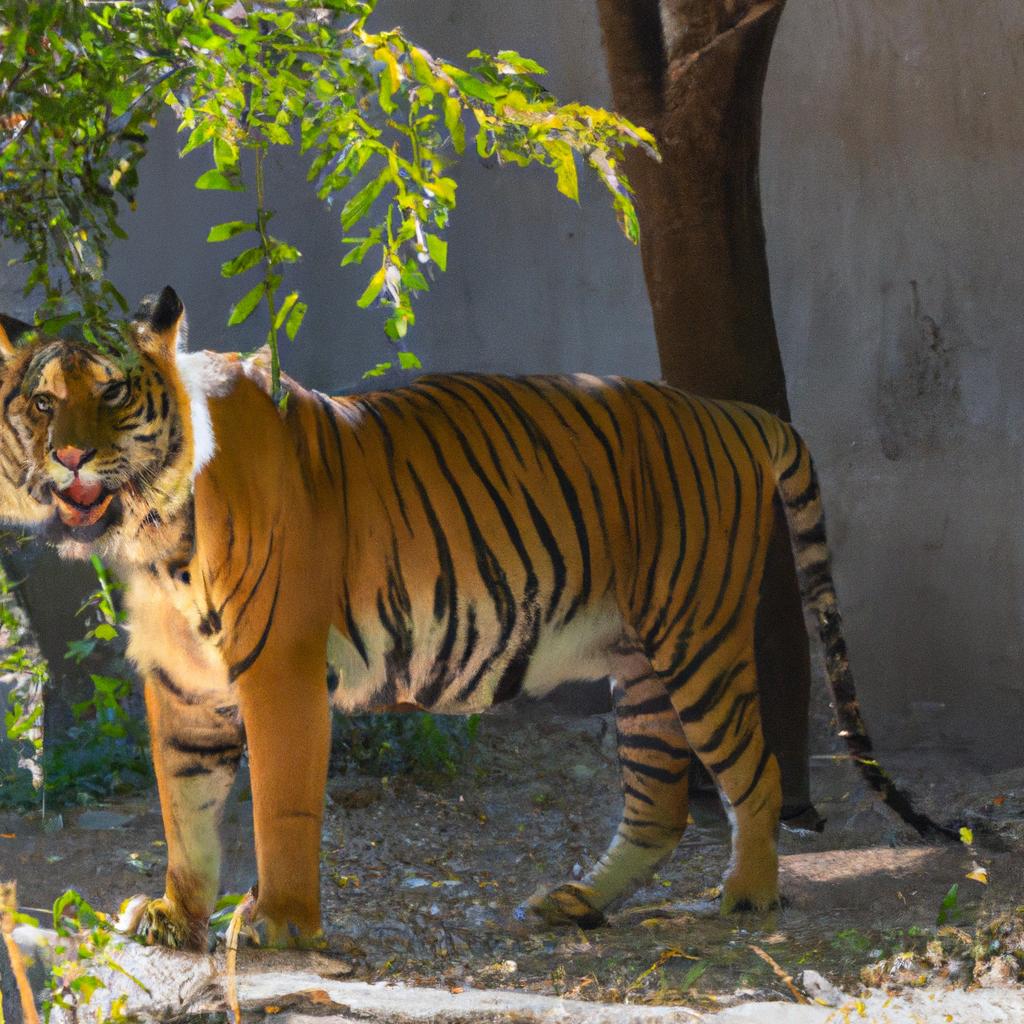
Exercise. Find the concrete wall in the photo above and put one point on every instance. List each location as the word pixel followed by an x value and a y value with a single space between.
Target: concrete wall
pixel 893 152
pixel 893 147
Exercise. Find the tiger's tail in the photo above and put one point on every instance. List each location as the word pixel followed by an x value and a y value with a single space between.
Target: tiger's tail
pixel 797 484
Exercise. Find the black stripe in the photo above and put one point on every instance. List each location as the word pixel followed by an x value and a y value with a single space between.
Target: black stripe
pixel 164 679
pixel 353 630
pixel 650 706
pixel 565 485
pixel 645 741
pixel 713 693
pixel 256 586
pixel 445 599
pixel 754 779
pixel 717 767
pixel 655 772
pixel 246 663
pixel 472 636
pixel 547 539
pixel 740 704
pixel 391 460
pixel 636 794
pixel 204 749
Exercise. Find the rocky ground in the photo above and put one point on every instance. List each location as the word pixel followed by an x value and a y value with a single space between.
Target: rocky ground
pixel 421 878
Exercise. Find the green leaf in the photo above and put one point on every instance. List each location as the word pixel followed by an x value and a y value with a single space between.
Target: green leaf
pixel 86 985
pixel 282 252
pixel 289 301
pixel 359 205
pixel 519 63
pixel 565 169
pixel 471 86
pixel 229 229
pixel 453 122
pixel 693 975
pixel 245 260
pixel 438 249
pixel 104 631
pixel 295 318
pixel 409 361
pixel 372 290
pixel 421 68
pixel 214 179
pixel 949 908
pixel 378 371
pixel 242 309
pixel 225 154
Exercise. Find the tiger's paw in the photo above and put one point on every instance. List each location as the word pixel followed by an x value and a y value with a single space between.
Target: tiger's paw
pixel 283 935
pixel 252 920
pixel 739 895
pixel 161 922
pixel 567 904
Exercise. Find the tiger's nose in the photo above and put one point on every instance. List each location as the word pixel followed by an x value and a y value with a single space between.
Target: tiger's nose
pixel 73 458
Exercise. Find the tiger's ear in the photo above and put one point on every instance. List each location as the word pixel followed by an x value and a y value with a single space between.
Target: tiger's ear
pixel 7 348
pixel 10 330
pixel 160 324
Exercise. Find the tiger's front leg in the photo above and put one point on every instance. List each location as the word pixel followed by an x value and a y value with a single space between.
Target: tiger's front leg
pixel 197 744
pixel 285 709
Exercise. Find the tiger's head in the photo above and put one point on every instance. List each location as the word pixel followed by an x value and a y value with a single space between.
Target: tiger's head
pixel 111 445
pixel 18 507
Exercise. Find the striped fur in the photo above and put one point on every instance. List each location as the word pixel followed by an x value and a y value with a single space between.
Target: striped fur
pixel 451 545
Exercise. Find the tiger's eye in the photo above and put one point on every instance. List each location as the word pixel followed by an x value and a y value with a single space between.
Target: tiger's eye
pixel 43 403
pixel 115 394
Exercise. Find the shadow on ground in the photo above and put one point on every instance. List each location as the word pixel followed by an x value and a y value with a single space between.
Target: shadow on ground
pixel 420 879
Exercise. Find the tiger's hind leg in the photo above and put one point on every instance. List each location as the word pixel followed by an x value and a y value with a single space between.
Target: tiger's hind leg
pixel 654 760
pixel 715 695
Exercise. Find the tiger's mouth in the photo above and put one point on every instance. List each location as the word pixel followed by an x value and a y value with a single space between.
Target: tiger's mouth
pixel 82 504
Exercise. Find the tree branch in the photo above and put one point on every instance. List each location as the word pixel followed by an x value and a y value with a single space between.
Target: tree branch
pixel 631 32
pixel 748 14
pixel 691 25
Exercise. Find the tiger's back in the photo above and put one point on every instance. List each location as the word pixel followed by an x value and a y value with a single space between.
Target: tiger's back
pixel 509 530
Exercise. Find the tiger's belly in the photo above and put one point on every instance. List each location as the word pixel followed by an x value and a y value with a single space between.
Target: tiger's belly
pixel 473 673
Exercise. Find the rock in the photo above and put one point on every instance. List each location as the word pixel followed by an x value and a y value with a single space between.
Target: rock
pixel 102 820
pixel 479 916
pixel 157 983
pixel 818 987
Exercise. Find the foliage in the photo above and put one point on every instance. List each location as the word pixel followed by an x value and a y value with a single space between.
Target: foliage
pixel 413 743
pixel 85 941
pixel 106 750
pixel 24 668
pixel 379 118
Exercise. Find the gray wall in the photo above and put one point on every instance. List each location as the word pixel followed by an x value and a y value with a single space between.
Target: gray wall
pixel 893 144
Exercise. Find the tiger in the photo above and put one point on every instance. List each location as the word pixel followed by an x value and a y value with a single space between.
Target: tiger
pixel 447 545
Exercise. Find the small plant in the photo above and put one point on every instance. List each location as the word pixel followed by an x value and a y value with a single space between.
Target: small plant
pixel 87 941
pixel 412 743
pixel 106 750
pixel 26 670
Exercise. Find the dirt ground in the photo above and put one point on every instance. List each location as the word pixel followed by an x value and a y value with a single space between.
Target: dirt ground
pixel 420 881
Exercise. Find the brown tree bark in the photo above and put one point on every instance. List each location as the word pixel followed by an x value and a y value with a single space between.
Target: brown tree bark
pixel 692 72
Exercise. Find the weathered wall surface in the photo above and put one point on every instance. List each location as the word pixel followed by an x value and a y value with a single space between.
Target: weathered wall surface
pixel 893 151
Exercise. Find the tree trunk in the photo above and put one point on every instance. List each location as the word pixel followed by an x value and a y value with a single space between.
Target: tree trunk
pixel 692 71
